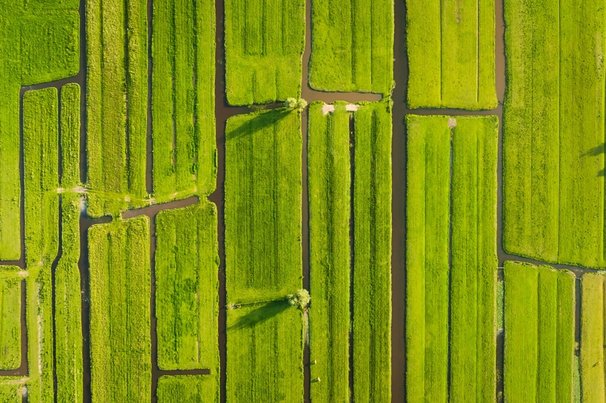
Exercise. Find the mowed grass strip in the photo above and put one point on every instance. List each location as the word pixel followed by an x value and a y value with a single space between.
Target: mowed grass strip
pixel 473 275
pixel 183 105
pixel 554 131
pixel 372 253
pixel 329 173
pixel 120 310
pixel 10 317
pixel 188 389
pixel 116 104
pixel 187 305
pixel 451 257
pixel 593 339
pixel 539 333
pixel 70 136
pixel 427 258
pixel 264 43
pixel 265 353
pixel 263 196
pixel 451 53
pixel 352 45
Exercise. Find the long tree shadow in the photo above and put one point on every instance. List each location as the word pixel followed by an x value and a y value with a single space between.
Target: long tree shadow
pixel 259 122
pixel 594 152
pixel 261 314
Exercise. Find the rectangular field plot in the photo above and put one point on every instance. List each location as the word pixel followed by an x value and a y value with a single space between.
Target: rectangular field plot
pixel 263 49
pixel 331 169
pixel 265 353
pixel 41 162
pixel 187 305
pixel 10 317
pixel 554 131
pixel 352 45
pixel 120 310
pixel 539 333
pixel 12 390
pixel 451 257
pixel 451 54
pixel 593 338
pixel 263 205
pixel 183 103
pixel 188 389
pixel 116 34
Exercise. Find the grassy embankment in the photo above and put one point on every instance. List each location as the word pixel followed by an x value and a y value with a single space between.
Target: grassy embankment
pixel 451 53
pixel 451 257
pixel 352 46
pixel 554 131
pixel 263 48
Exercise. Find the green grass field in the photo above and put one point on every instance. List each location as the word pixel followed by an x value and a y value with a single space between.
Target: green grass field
pixel 539 333
pixel 263 48
pixel 451 54
pixel 554 132
pixel 451 259
pixel 189 389
pixel 116 104
pixel 352 46
pixel 120 310
pixel 593 338
pixel 183 121
pixel 186 288
pixel 10 318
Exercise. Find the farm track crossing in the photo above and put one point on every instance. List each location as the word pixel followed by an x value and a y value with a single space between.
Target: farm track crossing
pixel 12 385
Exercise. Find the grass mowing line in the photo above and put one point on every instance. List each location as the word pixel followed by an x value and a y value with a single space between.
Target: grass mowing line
pixel 352 46
pixel 189 389
pixel 553 163
pixel 451 53
pixel 451 294
pixel 120 310
pixel 186 288
pixel 183 51
pixel 329 193
pixel 593 318
pixel 372 253
pixel 539 333
pixel 263 255
pixel 116 103
pixel 264 43
pixel 10 318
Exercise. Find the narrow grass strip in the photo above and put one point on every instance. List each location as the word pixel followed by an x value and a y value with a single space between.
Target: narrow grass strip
pixel 593 323
pixel 372 253
pixel 329 173
pixel 10 317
